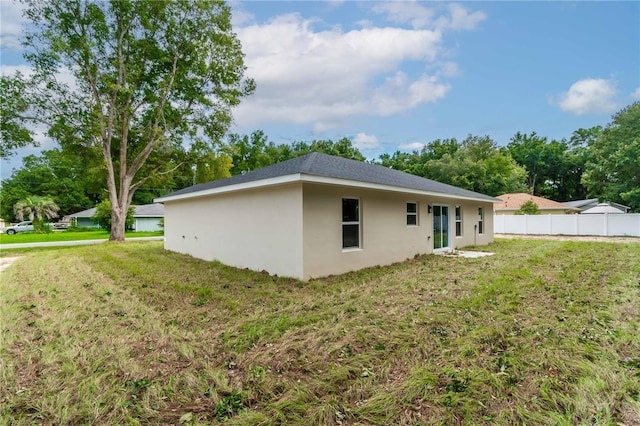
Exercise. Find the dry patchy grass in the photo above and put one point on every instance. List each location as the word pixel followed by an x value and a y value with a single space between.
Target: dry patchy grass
pixel 544 332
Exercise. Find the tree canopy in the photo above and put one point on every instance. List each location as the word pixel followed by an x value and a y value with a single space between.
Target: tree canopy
pixel 146 75
pixel 613 168
pixel 36 209
pixel 476 164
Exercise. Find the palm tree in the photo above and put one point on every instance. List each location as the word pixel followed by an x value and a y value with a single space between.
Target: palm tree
pixel 36 209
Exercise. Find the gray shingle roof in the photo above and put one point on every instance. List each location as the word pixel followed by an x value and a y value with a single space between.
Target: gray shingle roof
pixel 318 164
pixel 145 210
pixel 323 165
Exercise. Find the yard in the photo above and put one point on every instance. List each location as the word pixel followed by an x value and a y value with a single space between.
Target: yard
pixel 98 234
pixel 544 332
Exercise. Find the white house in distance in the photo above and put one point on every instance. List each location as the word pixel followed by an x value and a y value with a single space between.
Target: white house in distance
pixel 318 215
pixel 146 217
pixel 585 205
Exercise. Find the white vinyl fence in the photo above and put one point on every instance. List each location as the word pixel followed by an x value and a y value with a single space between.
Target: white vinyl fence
pixel 607 225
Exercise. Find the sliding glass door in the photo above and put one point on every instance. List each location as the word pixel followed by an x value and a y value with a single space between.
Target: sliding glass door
pixel 440 227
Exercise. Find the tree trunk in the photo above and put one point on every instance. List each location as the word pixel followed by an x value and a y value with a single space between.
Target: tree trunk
pixel 118 223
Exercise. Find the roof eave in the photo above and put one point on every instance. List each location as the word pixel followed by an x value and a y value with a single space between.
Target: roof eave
pixel 299 177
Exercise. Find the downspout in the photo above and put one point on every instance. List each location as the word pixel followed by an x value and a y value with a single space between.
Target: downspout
pixel 475 234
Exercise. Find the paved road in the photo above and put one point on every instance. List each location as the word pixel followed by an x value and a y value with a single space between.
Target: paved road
pixel 71 243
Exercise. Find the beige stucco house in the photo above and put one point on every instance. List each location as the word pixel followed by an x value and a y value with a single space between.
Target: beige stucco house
pixel 319 215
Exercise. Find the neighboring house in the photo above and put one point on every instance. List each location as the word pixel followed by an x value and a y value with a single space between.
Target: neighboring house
pixel 593 202
pixel 603 208
pixel 146 217
pixel 511 204
pixel 318 215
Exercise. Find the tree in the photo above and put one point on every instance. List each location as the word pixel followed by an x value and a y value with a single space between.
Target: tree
pixel 554 168
pixel 613 169
pixel 13 104
pixel 74 183
pixel 103 218
pixel 252 152
pixel 528 207
pixel 147 74
pixel 478 165
pixel 37 209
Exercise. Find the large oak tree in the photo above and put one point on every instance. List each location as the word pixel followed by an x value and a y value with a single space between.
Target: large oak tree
pixel 145 76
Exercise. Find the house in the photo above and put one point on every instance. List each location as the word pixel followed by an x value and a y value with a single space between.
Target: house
pixel 603 208
pixel 511 204
pixel 147 217
pixel 318 215
pixel 593 202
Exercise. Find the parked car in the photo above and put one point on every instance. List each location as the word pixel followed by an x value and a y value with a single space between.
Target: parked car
pixel 60 225
pixel 25 226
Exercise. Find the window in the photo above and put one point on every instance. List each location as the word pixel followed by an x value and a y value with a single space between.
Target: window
pixel 480 221
pixel 412 214
pixel 458 221
pixel 350 223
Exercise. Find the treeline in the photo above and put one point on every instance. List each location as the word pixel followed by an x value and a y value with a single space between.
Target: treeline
pixel 598 162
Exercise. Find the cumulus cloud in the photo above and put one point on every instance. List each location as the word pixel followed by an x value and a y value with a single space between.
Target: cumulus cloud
pixel 322 77
pixel 636 94
pixel 11 24
pixel 589 96
pixel 414 146
pixel 419 16
pixel 364 141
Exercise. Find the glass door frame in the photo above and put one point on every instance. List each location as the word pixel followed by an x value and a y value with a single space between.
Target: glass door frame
pixel 443 230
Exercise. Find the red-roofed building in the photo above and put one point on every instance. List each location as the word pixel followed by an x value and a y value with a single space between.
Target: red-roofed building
pixel 511 203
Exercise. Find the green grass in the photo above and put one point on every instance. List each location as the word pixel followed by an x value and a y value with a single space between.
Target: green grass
pixel 31 237
pixel 544 332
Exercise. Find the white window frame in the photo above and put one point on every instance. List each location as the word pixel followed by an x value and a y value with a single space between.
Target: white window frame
pixel 480 220
pixel 358 222
pixel 414 213
pixel 458 221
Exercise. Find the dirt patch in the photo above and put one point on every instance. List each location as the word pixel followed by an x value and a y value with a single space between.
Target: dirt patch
pixel 5 262
pixel 571 238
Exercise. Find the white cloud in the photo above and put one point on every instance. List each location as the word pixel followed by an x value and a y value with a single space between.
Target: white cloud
pixel 636 94
pixel 589 96
pixel 461 19
pixel 406 12
pixel 11 24
pixel 8 70
pixel 323 77
pixel 414 146
pixel 364 141
pixel 419 16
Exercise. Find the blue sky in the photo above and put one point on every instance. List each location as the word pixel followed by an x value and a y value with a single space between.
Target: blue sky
pixel 396 75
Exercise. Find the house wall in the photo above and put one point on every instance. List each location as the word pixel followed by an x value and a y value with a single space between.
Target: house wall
pixel 85 222
pixel 147 224
pixel 385 236
pixel 256 229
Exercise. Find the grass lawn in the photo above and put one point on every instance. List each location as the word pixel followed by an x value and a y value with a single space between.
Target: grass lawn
pixel 544 332
pixel 31 237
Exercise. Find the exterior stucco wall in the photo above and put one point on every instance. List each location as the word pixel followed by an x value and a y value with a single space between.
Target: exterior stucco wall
pixel 385 236
pixel 147 224
pixel 257 229
pixel 470 232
